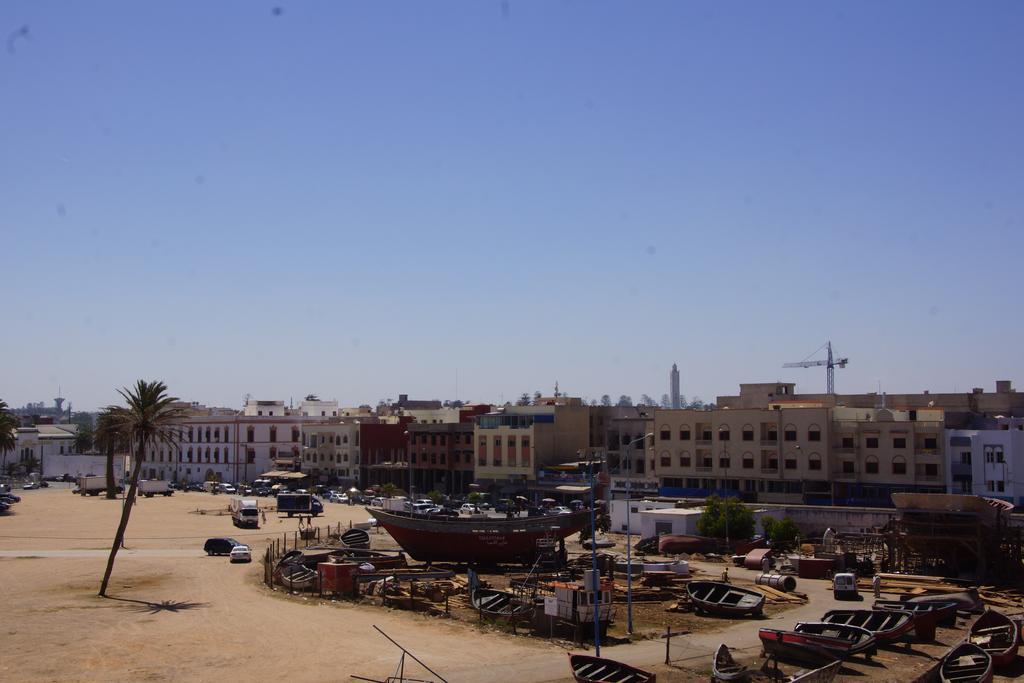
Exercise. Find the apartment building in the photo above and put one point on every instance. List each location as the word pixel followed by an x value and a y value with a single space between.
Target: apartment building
pixel 330 451
pixel 514 444
pixel 794 451
pixel 987 459
pixel 441 457
pixel 384 447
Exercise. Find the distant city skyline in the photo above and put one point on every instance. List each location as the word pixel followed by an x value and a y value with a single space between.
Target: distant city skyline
pixel 362 199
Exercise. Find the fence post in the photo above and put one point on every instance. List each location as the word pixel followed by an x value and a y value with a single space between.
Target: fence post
pixel 668 640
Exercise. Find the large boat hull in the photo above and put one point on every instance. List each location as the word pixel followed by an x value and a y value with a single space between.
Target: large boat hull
pixel 489 541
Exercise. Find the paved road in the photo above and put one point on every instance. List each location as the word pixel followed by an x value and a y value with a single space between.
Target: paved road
pixel 166 552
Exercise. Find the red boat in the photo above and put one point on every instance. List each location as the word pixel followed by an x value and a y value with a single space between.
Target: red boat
pixel 817 643
pixel 926 615
pixel 996 634
pixel 485 541
pixel 885 625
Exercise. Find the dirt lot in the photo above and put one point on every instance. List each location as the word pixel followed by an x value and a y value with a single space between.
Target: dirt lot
pixel 180 615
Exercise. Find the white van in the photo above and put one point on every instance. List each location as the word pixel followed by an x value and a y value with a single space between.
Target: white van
pixel 844 586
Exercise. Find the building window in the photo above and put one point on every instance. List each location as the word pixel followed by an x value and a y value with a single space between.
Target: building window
pixel 273 434
pixel 684 434
pixel 723 433
pixel 848 442
pixel 723 462
pixel 930 443
pixel 848 467
pixel 748 461
pixel 665 434
pixel 684 460
pixel 965 458
pixel 705 434
pixel 190 434
pixel 250 434
pixel 899 442
pixel 931 470
pixel 1000 486
pixel 899 465
pixel 295 434
pixel 250 456
pixel 497 442
pixel 189 455
pixel 216 434
pixel 666 461
pixel 511 442
pixel 814 462
pixel 748 433
pixel 525 441
pixel 216 455
pixel 814 433
pixel 789 433
pixel 871 465
pixel 790 461
pixel 871 442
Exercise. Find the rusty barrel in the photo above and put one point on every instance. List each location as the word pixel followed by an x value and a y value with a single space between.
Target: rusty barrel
pixel 782 582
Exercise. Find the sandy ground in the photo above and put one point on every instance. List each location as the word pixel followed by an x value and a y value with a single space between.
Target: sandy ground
pixel 180 615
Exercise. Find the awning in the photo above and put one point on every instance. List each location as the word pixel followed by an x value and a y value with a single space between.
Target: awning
pixel 292 475
pixel 273 473
pixel 566 488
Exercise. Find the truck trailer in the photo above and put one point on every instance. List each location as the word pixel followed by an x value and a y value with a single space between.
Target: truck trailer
pixel 299 504
pixel 245 512
pixel 153 487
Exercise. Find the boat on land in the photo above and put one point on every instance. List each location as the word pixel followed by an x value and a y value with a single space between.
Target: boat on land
pixel 380 559
pixel 724 599
pixel 295 576
pixel 996 634
pixel 725 668
pixel 587 669
pixel 817 643
pixel 825 674
pixel 885 625
pixel 499 603
pixel 966 663
pixel 927 615
pixel 483 541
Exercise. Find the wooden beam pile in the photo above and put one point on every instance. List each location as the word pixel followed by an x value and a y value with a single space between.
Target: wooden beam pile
pixel 776 596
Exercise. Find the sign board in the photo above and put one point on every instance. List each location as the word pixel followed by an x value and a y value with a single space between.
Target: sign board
pixel 550 605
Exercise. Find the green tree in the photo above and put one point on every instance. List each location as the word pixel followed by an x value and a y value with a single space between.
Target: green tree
pixel 30 464
pixel 606 400
pixel 8 432
pixel 110 442
pixel 149 418
pixel 717 511
pixel 625 401
pixel 84 438
pixel 475 498
pixel 783 533
pixel 435 496
pixel 388 490
pixel 11 468
pixel 523 400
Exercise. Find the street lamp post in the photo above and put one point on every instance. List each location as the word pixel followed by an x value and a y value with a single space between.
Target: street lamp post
pixel 629 540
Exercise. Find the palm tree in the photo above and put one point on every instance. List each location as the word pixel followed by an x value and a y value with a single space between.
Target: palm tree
pixel 388 489
pixel 8 432
pixel 150 417
pixel 109 441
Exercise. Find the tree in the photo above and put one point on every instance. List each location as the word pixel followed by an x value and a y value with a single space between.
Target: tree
pixel 606 400
pixel 11 468
pixel 536 398
pixel 8 431
pixel 523 400
pixel 83 439
pixel 783 533
pixel 666 402
pixel 149 418
pixel 109 440
pixel 435 496
pixel 388 490
pixel 696 403
pixel 646 400
pixel 475 497
pixel 30 464
pixel 717 511
pixel 625 401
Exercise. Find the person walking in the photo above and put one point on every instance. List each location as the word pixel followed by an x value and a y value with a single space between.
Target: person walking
pixel 876 585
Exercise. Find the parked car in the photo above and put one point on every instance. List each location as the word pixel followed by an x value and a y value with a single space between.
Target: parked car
pixel 29 485
pixel 445 512
pixel 220 546
pixel 241 553
pixel 423 508
pixel 337 497
pixel 469 509
pixel 195 487
pixel 377 502
pixel 262 491
pixel 10 497
pixel 560 510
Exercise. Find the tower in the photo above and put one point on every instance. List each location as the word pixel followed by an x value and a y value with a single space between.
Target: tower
pixel 674 386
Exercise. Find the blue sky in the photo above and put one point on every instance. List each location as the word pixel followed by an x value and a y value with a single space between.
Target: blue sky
pixel 362 199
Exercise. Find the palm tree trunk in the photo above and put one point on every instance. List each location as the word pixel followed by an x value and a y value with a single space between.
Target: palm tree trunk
pixel 125 514
pixel 111 484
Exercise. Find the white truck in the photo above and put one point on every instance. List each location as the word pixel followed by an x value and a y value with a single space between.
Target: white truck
pixel 245 511
pixel 153 487
pixel 92 485
pixel 395 504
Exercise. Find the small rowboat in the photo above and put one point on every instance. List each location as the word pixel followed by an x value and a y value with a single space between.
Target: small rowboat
pixel 926 615
pixel 817 643
pixel 724 599
pixel 499 603
pixel 966 663
pixel 885 625
pixel 725 668
pixel 587 669
pixel 996 634
pixel 356 538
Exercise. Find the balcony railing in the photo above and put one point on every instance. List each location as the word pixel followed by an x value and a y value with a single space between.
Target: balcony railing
pixel 702 468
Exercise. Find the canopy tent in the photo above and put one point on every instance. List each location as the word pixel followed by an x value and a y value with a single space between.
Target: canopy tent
pixel 566 488
pixel 283 474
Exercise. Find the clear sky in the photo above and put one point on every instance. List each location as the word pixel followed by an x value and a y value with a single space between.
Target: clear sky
pixel 361 199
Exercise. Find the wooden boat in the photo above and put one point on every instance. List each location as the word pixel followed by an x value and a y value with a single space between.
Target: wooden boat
pixel 926 615
pixel 295 576
pixel 885 625
pixel 356 538
pixel 725 668
pixel 966 663
pixel 380 559
pixel 586 669
pixel 724 599
pixel 996 634
pixel 817 643
pixel 825 674
pixel 484 541
pixel 499 603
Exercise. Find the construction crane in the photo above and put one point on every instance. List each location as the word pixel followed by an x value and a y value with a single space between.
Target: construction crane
pixel 830 364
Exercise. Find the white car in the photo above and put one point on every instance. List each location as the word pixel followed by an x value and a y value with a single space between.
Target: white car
pixel 337 497
pixel 241 553
pixel 377 503
pixel 561 510
pixel 469 509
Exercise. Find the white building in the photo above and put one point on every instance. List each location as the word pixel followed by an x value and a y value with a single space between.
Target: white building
pixel 331 451
pixel 317 408
pixel 41 442
pixel 617 512
pixel 988 461
pixel 683 521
